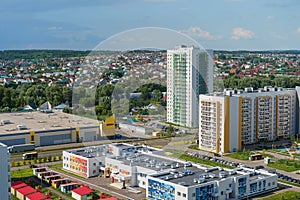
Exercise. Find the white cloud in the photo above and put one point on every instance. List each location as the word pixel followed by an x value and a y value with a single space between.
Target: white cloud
pixel 241 33
pixel 270 18
pixel 54 28
pixel 232 0
pixel 279 36
pixel 298 30
pixel 197 32
pixel 160 1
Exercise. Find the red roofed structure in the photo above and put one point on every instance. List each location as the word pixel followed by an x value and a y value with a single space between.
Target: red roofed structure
pixel 23 192
pixel 36 196
pixel 83 192
pixel 17 185
pixel 110 198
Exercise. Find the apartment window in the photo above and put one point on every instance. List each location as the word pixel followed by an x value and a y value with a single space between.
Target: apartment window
pixel 178 193
pixel 193 194
pixel 222 192
pixel 184 195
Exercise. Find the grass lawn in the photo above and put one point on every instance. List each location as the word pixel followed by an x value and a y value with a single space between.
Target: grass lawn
pixel 182 142
pixel 59 168
pixel 294 184
pixel 284 153
pixel 288 195
pixel 21 173
pixel 244 155
pixel 56 166
pixel 196 147
pixel 286 165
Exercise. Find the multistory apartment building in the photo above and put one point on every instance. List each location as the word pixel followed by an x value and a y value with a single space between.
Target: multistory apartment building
pixel 4 173
pixel 189 73
pixel 234 118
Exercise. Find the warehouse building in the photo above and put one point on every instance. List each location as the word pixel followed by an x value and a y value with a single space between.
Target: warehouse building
pixel 42 128
pixel 164 177
pixel 233 118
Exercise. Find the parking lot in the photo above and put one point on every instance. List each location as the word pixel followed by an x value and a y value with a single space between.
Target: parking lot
pixel 218 159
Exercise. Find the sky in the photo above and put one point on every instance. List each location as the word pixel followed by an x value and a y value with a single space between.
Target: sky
pixel 215 24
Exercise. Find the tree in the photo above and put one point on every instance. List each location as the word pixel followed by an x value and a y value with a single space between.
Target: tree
pixel 157 95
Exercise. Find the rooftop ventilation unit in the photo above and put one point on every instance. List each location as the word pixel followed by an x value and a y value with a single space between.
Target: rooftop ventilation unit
pixel 21 127
pixel 232 172
pixel 5 121
pixel 222 175
pixel 212 175
pixel 211 169
pixel 181 183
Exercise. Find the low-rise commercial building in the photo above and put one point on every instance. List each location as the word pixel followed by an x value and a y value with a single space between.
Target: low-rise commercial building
pixel 43 129
pixel 164 177
pixel 211 183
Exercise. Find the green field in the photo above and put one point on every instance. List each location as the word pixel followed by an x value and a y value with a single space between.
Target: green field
pixel 289 195
pixel 244 155
pixel 286 165
pixel 289 183
pixel 196 147
pixel 21 173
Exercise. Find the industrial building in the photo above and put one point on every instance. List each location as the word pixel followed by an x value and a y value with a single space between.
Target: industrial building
pixel 5 182
pixel 49 128
pixel 189 73
pixel 234 118
pixel 164 177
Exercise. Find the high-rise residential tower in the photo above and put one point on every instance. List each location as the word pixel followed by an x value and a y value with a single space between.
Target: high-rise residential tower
pixel 189 73
pixel 4 173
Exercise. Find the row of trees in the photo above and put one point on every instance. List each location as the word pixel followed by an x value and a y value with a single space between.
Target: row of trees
pixel 260 82
pixel 12 98
pixel 108 99
pixel 150 93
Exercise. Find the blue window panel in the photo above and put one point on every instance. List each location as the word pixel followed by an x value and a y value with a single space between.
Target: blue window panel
pixel 89 136
pixel 242 187
pixel 13 141
pixel 159 191
pixel 55 139
pixel 204 193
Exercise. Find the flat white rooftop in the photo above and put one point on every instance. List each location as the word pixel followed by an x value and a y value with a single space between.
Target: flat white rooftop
pixel 38 121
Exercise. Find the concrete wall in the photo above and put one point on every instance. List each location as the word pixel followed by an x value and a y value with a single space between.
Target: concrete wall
pixel 135 129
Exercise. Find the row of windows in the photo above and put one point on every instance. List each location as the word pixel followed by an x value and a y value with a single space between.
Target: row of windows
pixel 183 194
